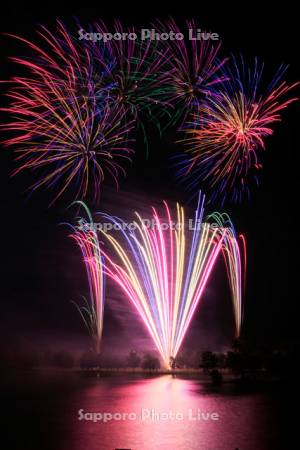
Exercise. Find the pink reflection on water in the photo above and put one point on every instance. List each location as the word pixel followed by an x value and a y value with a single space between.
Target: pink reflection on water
pixel 155 403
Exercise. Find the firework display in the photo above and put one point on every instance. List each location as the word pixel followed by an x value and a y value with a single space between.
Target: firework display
pixel 225 137
pixel 93 310
pixel 164 275
pixel 148 294
pixel 134 71
pixel 74 114
pixel 194 68
pixel 76 110
pixel 61 124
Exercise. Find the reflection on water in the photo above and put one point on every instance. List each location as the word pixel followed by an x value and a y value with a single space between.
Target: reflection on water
pixel 166 413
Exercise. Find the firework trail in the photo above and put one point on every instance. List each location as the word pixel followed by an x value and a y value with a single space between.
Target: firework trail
pixel 195 71
pixel 60 126
pixel 92 312
pixel 226 135
pixel 235 257
pixel 164 276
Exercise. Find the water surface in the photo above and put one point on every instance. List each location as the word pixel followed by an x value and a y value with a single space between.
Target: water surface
pixel 166 413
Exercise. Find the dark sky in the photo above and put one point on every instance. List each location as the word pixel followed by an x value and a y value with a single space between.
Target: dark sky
pixel 41 270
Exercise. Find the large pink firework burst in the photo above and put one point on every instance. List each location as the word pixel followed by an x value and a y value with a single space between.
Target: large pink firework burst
pixel 59 121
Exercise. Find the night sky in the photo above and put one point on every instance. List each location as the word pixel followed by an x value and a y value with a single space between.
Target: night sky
pixel 42 271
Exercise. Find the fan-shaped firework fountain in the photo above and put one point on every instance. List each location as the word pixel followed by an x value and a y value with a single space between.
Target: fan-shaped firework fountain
pixel 164 275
